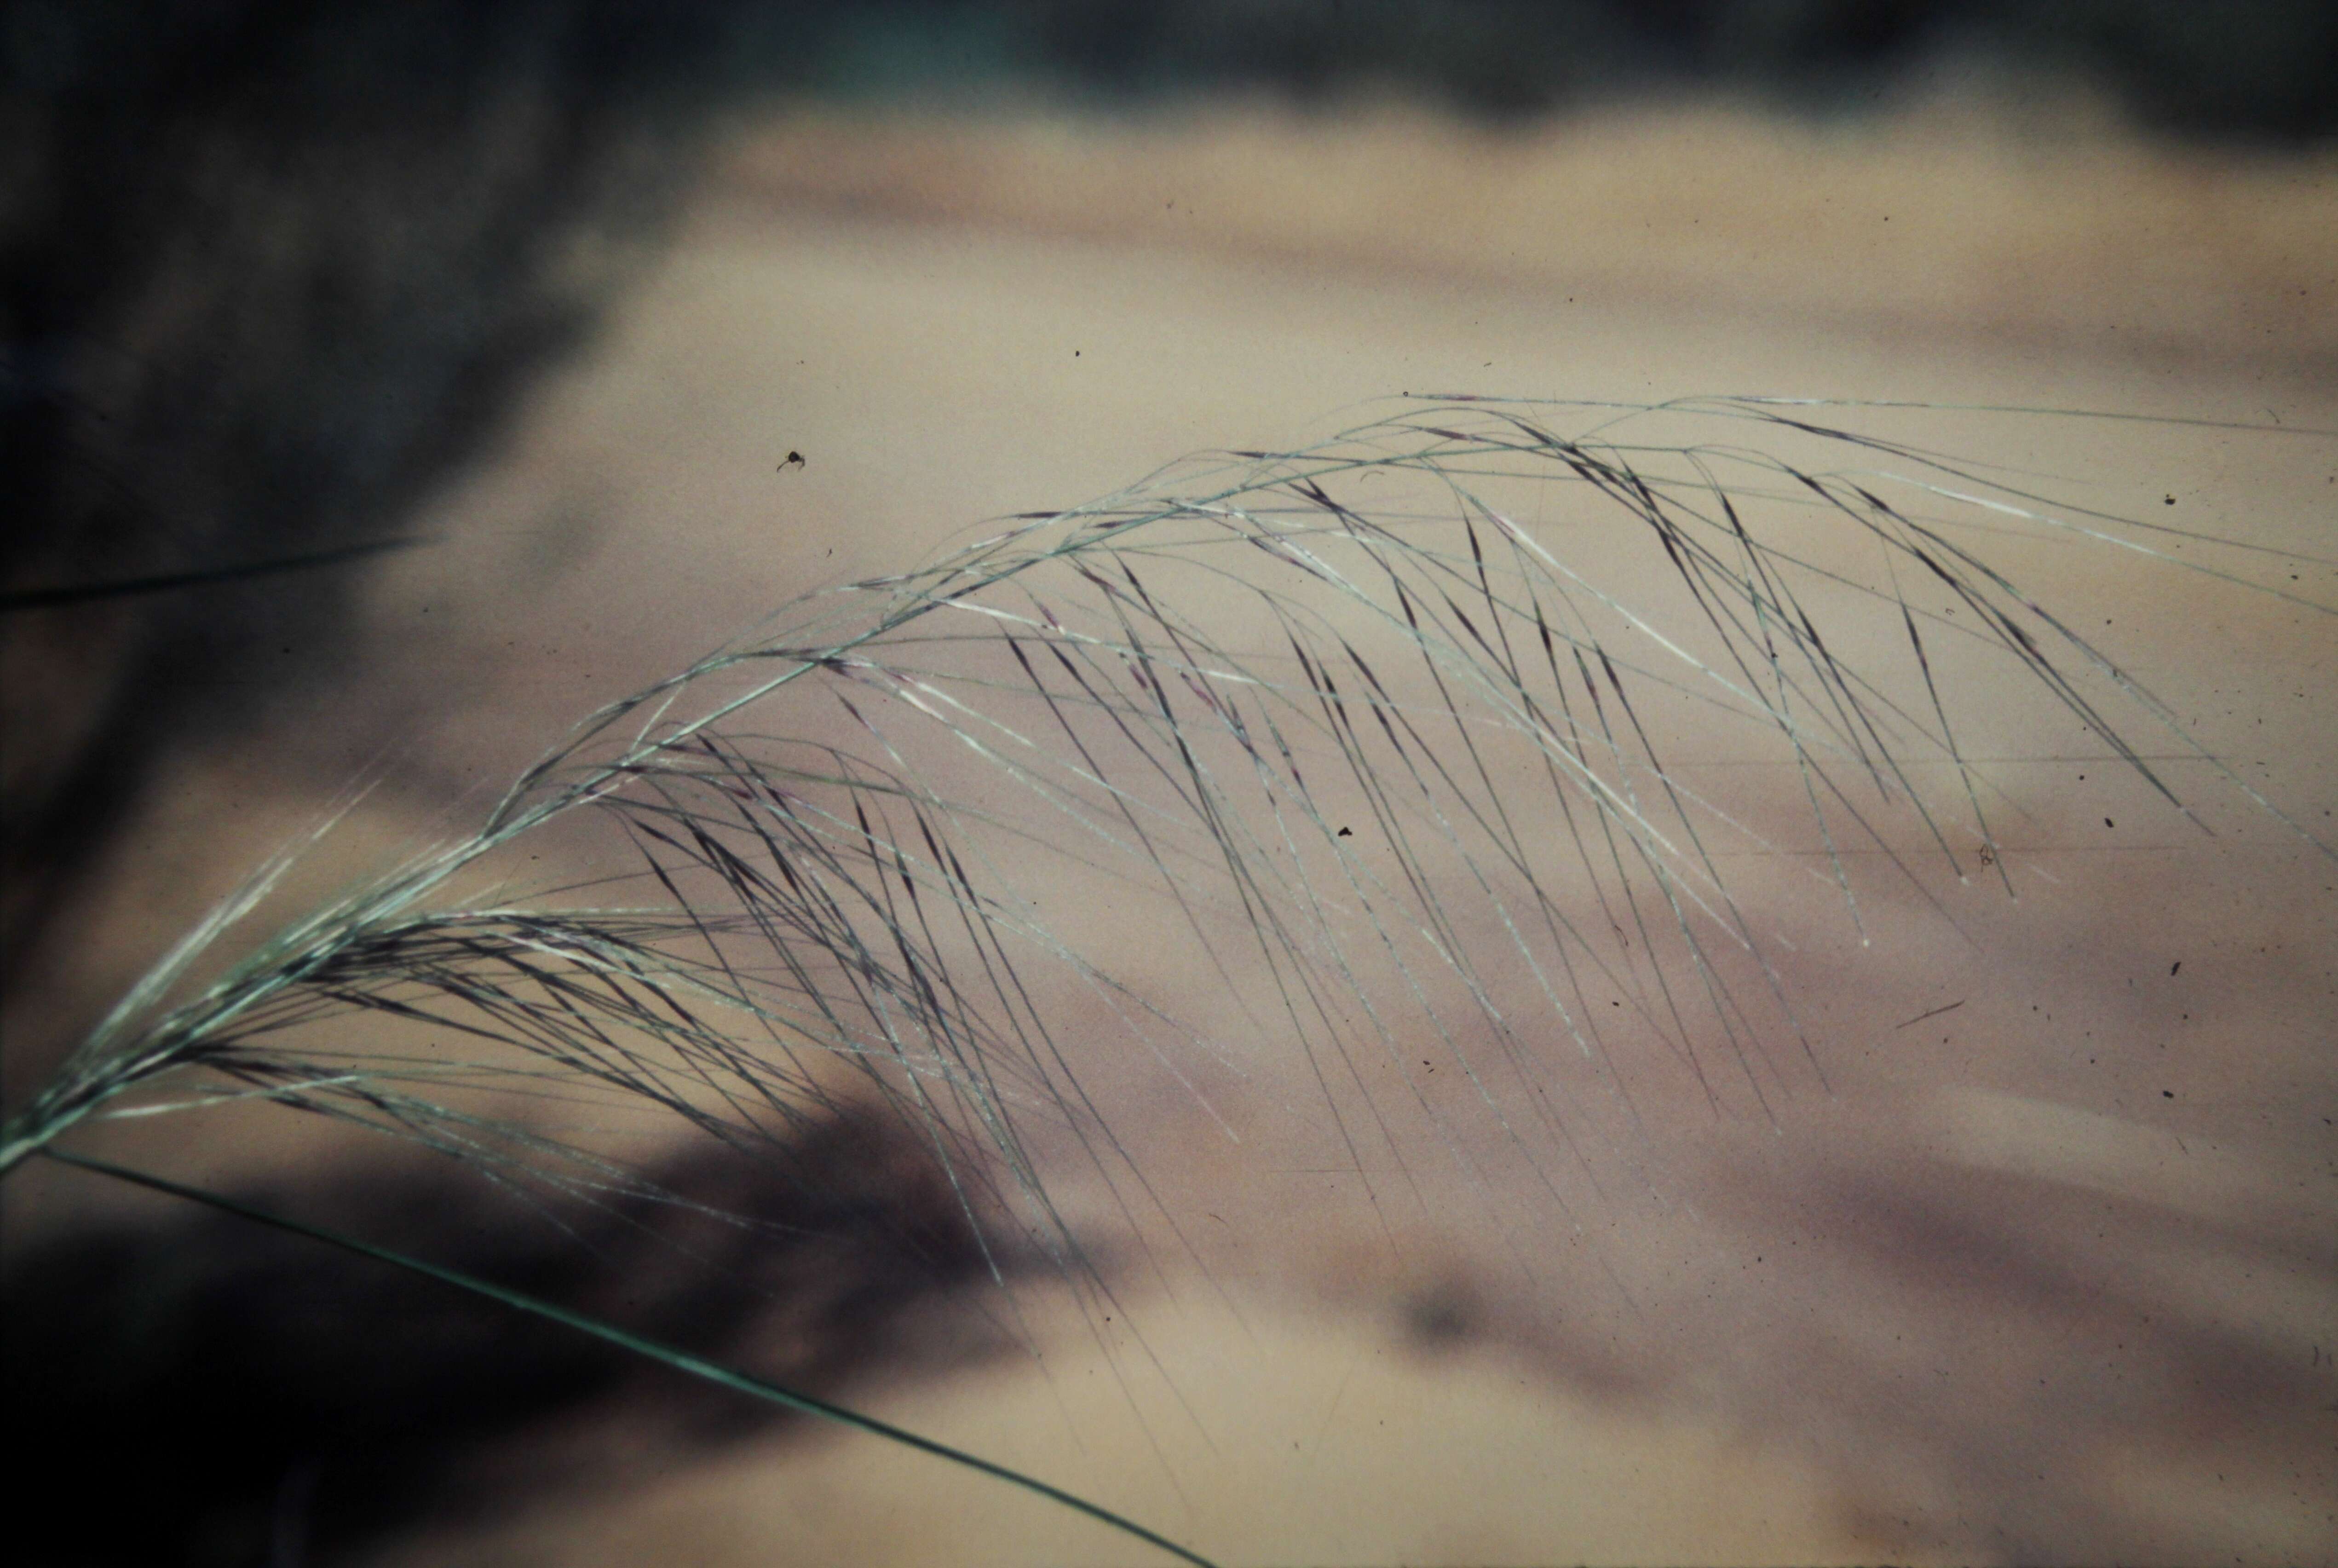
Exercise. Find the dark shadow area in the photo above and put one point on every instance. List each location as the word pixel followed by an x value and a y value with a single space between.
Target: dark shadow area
pixel 278 1401
pixel 272 271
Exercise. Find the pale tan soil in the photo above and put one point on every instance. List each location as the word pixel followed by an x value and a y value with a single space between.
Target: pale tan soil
pixel 2047 1277
pixel 1332 1441
pixel 2065 230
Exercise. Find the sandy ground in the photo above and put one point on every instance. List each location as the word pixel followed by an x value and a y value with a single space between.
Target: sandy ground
pixel 2047 1276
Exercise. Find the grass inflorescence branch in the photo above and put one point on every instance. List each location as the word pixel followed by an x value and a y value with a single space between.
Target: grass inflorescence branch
pixel 1382 731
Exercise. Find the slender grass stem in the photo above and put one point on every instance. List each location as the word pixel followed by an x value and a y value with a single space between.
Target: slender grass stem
pixel 683 1361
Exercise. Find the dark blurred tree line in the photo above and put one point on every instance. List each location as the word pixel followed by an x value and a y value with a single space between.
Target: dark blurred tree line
pixel 2249 69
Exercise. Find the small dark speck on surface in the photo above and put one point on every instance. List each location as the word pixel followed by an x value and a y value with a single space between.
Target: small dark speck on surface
pixel 1437 1317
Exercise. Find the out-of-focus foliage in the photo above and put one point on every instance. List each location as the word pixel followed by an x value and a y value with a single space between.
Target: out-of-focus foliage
pixel 2261 69
pixel 270 270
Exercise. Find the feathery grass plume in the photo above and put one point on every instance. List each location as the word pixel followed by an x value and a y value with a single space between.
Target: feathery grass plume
pixel 1376 731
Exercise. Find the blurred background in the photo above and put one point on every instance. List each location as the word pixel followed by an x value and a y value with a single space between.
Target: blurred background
pixel 388 384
